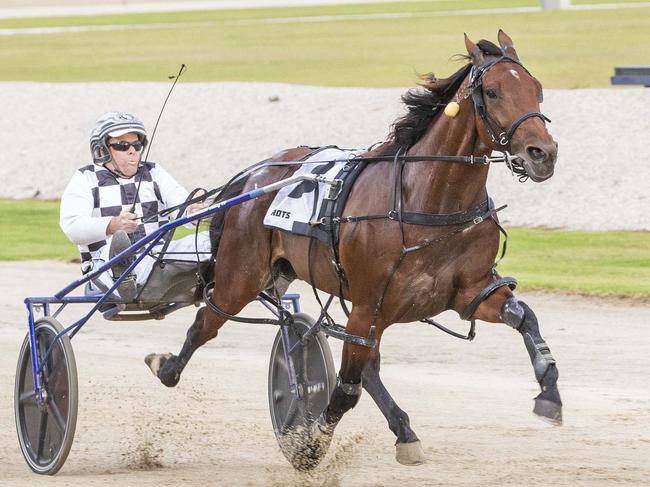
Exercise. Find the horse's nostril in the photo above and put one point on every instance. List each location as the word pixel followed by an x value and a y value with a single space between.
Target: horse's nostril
pixel 536 153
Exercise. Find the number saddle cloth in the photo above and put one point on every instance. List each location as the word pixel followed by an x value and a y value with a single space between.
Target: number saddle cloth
pixel 309 208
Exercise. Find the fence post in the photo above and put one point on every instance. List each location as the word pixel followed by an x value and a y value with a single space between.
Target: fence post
pixel 554 4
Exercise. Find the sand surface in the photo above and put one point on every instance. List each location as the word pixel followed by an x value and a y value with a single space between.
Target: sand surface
pixel 470 403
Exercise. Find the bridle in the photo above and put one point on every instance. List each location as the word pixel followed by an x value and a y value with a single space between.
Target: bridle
pixel 499 136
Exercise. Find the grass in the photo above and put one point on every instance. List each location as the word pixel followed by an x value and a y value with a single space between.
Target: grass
pixel 564 49
pixel 584 262
pixel 29 230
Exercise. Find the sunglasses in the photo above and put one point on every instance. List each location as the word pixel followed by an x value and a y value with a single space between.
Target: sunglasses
pixel 124 146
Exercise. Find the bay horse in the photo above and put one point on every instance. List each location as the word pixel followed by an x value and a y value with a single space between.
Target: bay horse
pixel 453 265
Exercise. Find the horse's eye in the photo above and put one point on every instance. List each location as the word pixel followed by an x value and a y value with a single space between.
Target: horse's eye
pixel 491 93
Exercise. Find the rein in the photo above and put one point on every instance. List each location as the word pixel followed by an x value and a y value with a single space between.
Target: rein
pixel 511 162
pixel 498 135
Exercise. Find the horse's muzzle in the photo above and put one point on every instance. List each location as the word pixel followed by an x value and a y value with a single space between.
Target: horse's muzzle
pixel 539 160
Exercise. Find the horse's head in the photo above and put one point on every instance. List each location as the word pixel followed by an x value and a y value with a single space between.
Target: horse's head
pixel 506 98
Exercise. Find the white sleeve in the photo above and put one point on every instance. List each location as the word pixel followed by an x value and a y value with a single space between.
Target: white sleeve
pixel 171 191
pixel 76 218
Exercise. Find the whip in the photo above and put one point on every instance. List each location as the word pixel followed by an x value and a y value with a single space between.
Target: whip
pixel 175 77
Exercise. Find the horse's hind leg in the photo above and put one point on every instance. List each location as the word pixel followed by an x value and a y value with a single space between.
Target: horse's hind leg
pixel 408 448
pixel 348 388
pixel 507 309
pixel 240 273
pixel 168 367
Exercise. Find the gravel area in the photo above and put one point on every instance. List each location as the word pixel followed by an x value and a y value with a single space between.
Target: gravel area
pixel 211 130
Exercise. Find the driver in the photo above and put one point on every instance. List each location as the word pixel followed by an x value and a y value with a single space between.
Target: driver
pixel 98 213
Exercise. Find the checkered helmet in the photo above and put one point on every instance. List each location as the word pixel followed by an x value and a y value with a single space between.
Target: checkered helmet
pixel 113 124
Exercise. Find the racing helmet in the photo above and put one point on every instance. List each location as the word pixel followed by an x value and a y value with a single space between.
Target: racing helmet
pixel 113 124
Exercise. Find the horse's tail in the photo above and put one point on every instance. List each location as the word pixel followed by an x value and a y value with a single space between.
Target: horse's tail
pixel 232 189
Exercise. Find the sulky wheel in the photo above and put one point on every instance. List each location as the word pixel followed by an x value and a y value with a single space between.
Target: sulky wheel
pixel 316 379
pixel 46 429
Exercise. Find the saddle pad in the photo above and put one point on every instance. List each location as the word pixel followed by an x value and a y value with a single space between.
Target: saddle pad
pixel 296 205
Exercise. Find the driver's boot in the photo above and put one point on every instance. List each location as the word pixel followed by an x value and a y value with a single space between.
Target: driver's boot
pixel 127 288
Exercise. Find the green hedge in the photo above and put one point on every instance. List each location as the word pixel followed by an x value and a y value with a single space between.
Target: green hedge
pixel 378 45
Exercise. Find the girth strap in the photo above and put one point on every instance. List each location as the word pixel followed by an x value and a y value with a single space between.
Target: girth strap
pixel 478 213
pixel 485 293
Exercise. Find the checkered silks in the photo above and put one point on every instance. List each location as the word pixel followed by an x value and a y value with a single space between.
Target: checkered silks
pixel 112 194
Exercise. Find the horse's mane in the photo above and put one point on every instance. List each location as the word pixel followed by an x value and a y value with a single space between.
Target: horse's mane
pixel 426 102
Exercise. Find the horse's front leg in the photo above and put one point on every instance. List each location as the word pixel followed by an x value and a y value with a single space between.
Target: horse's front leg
pixel 503 307
pixel 408 447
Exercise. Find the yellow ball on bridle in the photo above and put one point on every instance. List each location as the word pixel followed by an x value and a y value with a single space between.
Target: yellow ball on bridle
pixel 452 109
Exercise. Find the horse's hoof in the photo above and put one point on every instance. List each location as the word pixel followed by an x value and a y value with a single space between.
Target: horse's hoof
pixel 320 440
pixel 170 372
pixel 305 446
pixel 548 411
pixel 156 361
pixel 410 453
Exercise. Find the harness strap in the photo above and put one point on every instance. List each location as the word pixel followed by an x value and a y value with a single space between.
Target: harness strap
pixel 227 316
pixel 522 119
pixel 476 213
pixel 189 201
pixel 170 235
pixel 470 334
pixel 504 247
pixel 511 282
pixel 398 166
pixel 324 314
pixel 355 219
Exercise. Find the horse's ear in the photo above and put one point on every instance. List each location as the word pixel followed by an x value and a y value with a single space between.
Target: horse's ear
pixel 474 52
pixel 507 45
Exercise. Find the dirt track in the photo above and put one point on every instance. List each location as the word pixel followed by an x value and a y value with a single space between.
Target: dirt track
pixel 469 403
